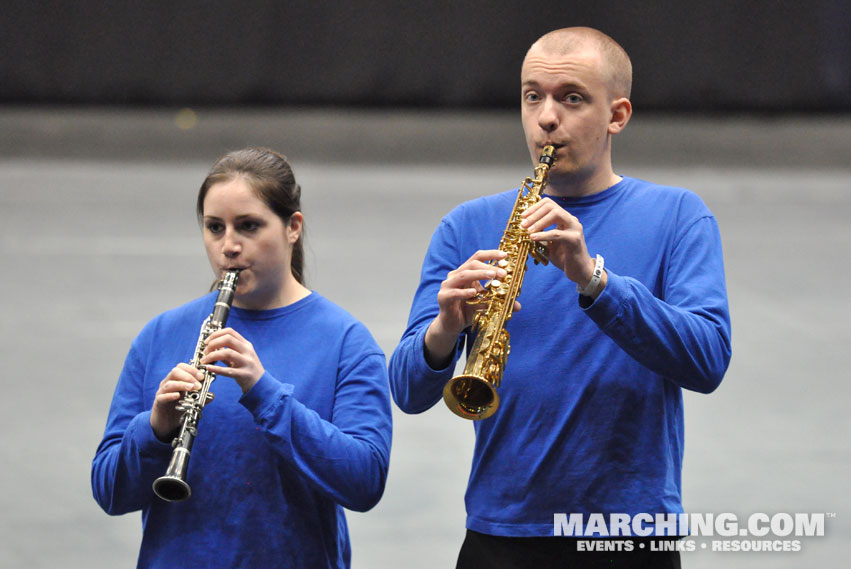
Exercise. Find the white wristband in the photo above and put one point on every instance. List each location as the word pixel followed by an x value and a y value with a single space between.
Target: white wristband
pixel 595 279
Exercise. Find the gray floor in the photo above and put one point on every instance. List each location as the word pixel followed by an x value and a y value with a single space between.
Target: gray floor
pixel 98 236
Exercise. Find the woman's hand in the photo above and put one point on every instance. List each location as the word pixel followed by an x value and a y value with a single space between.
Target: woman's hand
pixel 242 364
pixel 165 416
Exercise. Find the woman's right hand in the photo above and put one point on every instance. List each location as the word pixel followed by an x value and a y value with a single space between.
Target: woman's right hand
pixel 165 416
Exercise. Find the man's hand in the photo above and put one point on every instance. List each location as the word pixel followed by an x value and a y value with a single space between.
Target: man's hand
pixel 565 243
pixel 456 313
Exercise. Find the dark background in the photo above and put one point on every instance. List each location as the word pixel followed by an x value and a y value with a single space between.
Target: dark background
pixel 742 56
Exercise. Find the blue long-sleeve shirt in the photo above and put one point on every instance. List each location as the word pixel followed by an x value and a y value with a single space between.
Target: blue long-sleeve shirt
pixel 591 413
pixel 270 470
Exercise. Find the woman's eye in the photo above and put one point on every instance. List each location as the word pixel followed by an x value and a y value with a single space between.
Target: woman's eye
pixel 214 227
pixel 249 226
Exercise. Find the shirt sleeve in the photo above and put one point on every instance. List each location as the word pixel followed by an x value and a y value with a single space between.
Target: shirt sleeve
pixel 415 386
pixel 684 335
pixel 346 458
pixel 129 457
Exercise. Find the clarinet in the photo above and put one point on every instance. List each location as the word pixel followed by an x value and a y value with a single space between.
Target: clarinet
pixel 172 486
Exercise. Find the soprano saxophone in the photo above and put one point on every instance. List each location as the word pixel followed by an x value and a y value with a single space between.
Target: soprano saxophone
pixel 172 486
pixel 472 395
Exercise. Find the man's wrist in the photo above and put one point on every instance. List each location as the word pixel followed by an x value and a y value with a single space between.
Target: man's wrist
pixel 593 288
pixel 438 346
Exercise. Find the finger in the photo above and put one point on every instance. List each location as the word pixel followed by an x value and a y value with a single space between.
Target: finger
pixel 181 375
pixel 224 332
pixel 220 370
pixel 225 349
pixel 571 238
pixel 233 372
pixel 456 294
pixel 485 255
pixel 467 278
pixel 229 340
pixel 557 217
pixel 188 369
pixel 169 397
pixel 537 210
pixel 228 356
pixel 218 342
pixel 533 209
pixel 472 266
pixel 178 387
pixel 220 332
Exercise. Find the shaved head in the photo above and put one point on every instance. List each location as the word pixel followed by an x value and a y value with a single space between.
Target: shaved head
pixel 618 68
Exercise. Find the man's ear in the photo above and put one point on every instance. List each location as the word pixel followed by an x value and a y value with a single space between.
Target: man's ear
pixel 621 113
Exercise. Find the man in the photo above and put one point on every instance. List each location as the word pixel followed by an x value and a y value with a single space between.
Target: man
pixel 631 309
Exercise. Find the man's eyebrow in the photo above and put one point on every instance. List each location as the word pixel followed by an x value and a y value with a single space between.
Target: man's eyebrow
pixel 568 85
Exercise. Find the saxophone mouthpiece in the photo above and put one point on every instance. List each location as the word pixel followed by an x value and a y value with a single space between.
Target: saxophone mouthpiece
pixel 547 155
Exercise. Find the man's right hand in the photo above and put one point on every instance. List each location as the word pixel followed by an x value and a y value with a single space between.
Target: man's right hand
pixel 455 313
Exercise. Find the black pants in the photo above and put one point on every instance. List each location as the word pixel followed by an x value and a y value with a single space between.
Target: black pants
pixel 481 551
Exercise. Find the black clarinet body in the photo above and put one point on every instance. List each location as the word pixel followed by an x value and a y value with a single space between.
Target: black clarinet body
pixel 172 486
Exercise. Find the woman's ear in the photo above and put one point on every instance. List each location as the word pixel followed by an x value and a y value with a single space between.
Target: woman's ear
pixel 294 227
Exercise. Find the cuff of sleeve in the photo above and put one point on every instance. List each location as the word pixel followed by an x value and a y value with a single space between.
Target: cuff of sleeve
pixel 139 430
pixel 425 369
pixel 265 392
pixel 606 307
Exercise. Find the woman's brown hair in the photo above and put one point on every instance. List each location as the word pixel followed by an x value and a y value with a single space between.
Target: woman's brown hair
pixel 272 179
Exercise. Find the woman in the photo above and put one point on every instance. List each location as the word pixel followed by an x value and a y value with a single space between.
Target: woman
pixel 302 429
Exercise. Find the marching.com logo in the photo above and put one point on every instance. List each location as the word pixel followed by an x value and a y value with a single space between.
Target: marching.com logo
pixel 767 528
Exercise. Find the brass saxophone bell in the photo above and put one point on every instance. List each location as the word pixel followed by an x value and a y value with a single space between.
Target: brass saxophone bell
pixel 471 397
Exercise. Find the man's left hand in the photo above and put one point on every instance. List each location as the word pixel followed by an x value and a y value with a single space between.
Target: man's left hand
pixel 565 242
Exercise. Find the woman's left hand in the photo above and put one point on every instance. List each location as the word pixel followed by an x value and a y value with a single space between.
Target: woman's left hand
pixel 228 346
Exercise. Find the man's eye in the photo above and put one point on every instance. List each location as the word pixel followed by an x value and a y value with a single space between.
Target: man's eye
pixel 531 97
pixel 573 98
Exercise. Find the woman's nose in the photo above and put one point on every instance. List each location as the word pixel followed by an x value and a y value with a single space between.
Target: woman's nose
pixel 231 246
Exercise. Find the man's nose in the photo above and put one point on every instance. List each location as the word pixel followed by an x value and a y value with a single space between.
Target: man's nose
pixel 548 115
